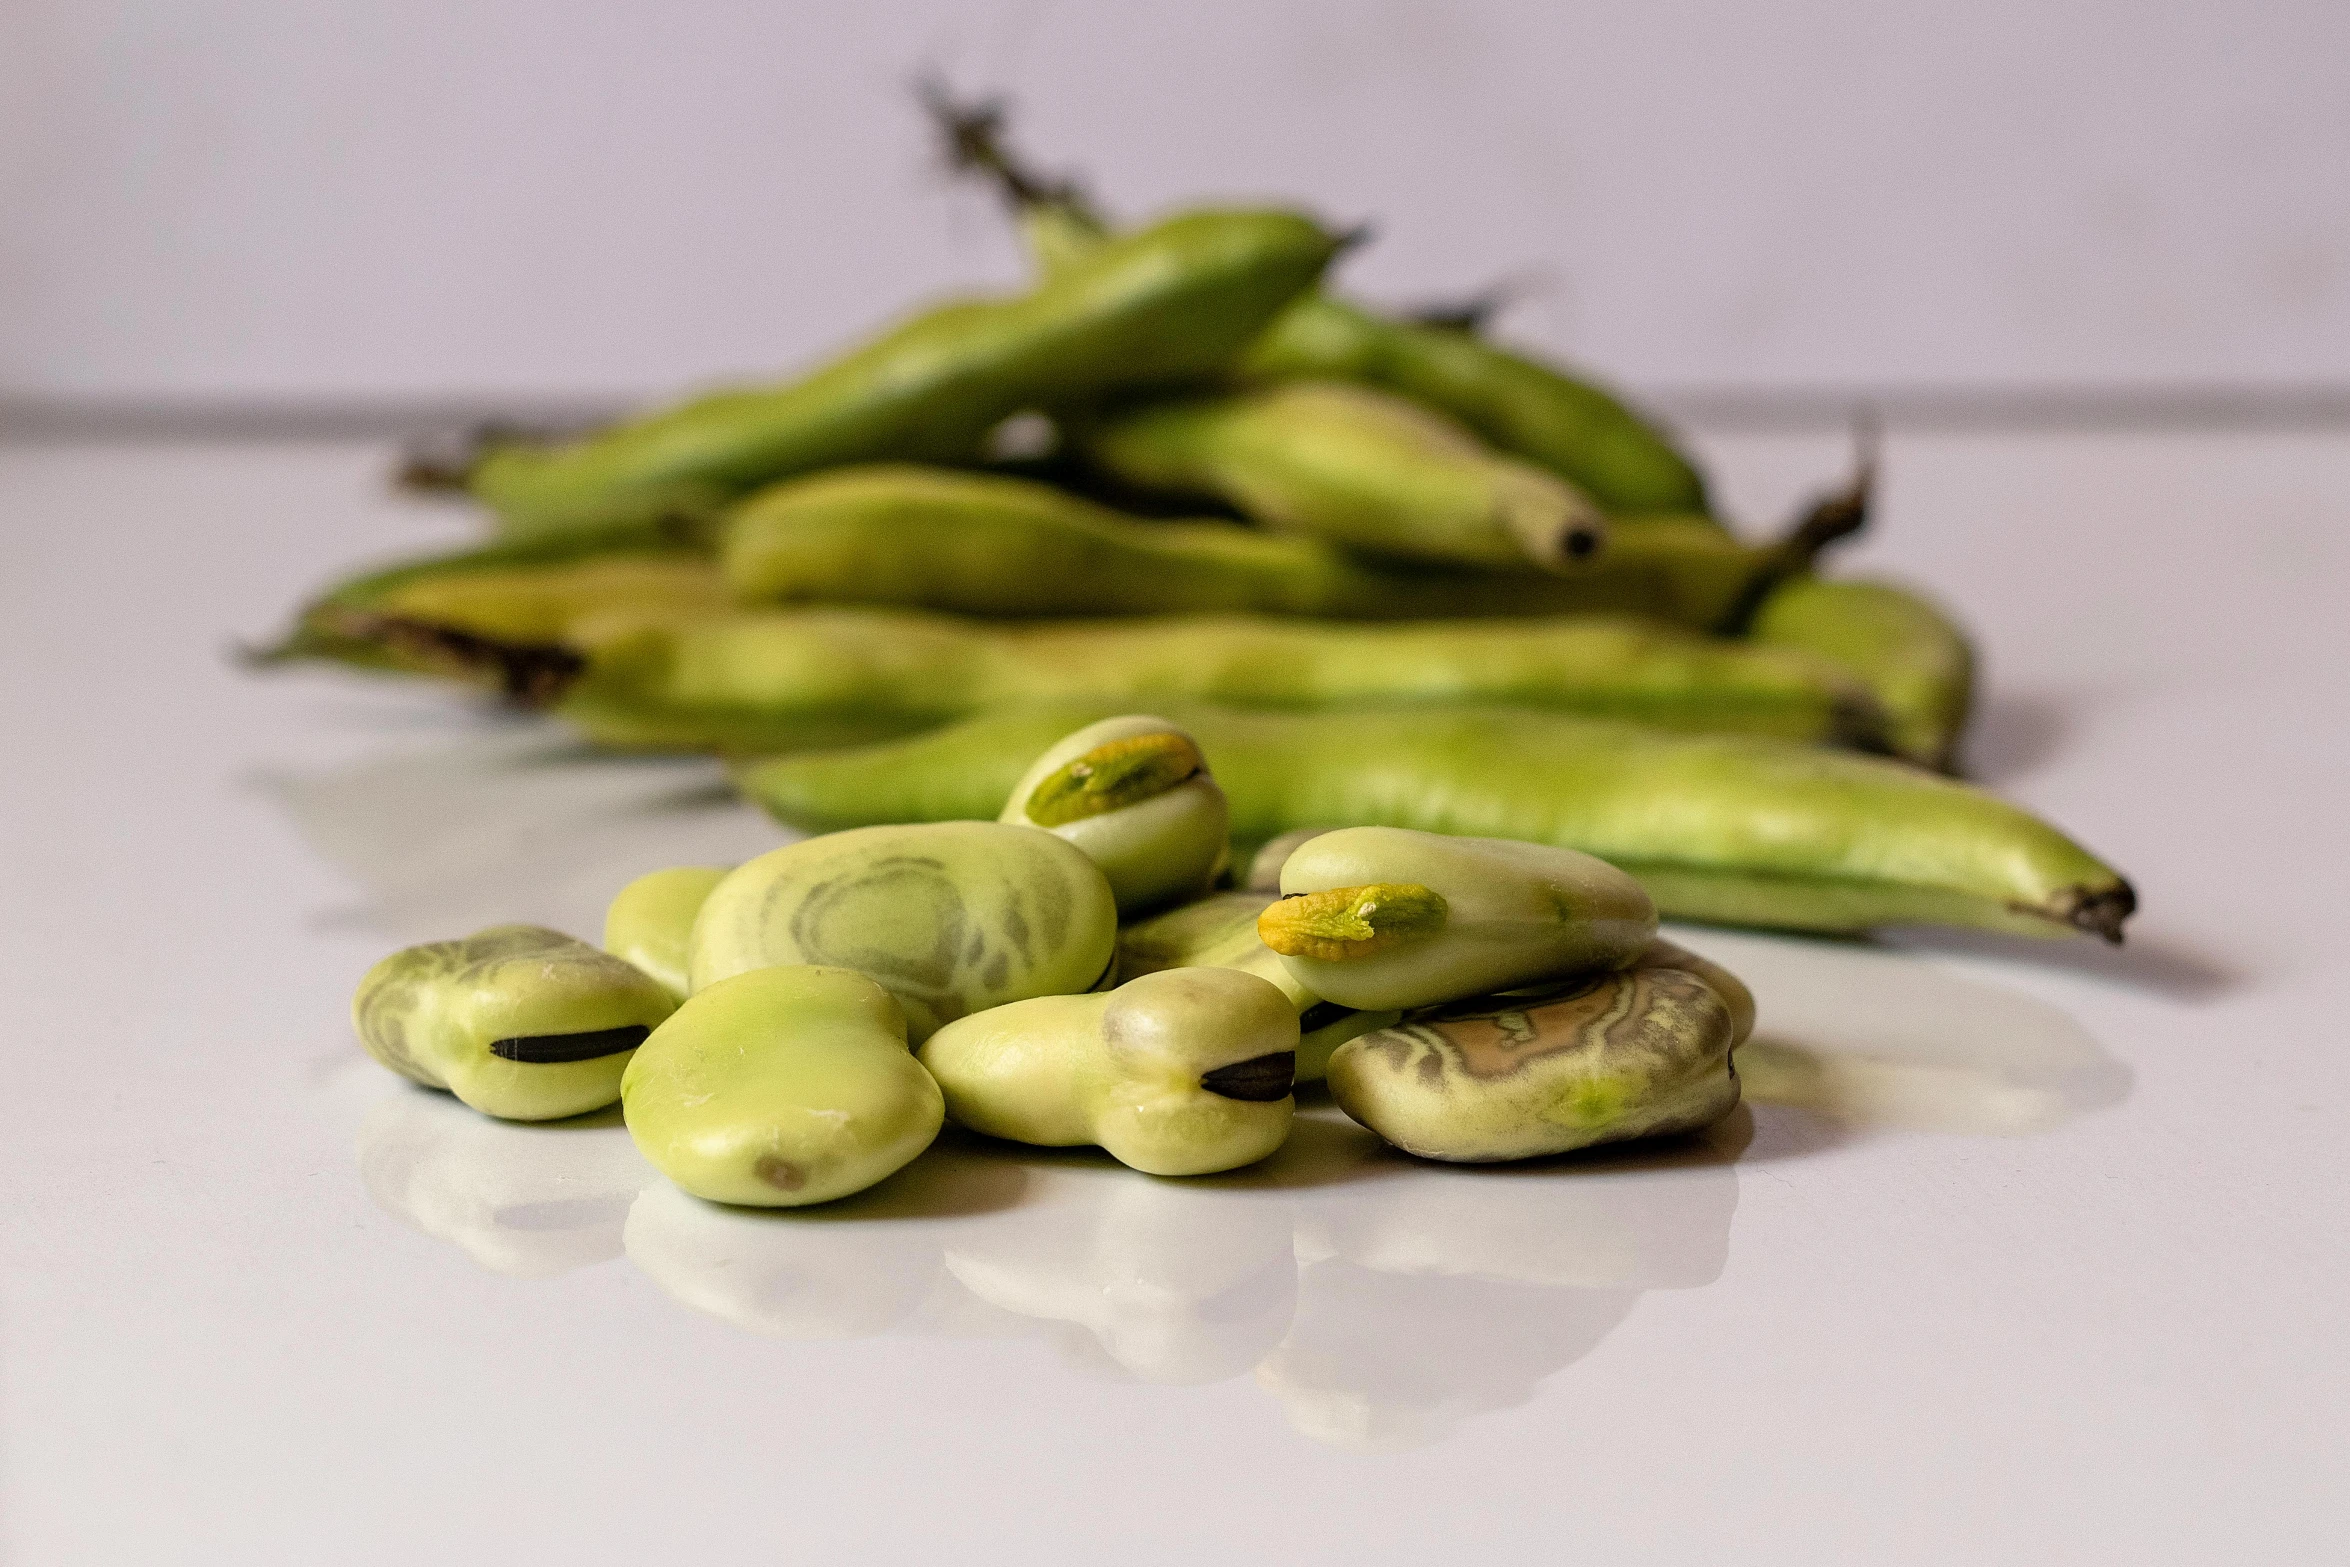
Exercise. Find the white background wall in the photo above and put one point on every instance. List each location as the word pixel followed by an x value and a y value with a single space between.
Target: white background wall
pixel 267 198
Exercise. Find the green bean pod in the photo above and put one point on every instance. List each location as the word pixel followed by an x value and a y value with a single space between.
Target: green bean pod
pixel 1908 651
pixel 1359 468
pixel 1576 429
pixel 1740 830
pixel 1169 304
pixel 784 676
pixel 983 544
pixel 1641 1052
pixel 1569 426
pixel 515 612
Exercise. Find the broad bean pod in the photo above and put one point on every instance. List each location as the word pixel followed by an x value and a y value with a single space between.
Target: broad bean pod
pixel 789 675
pixel 1172 303
pixel 1576 429
pixel 1572 427
pixel 984 544
pixel 1908 651
pixel 1359 468
pixel 1739 830
pixel 515 612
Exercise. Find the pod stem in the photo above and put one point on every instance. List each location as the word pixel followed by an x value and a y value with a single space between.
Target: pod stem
pixel 530 674
pixel 1473 313
pixel 972 131
pixel 445 464
pixel 1829 519
pixel 2100 912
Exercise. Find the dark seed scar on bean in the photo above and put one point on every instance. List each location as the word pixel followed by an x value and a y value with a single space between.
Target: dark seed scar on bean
pixel 1259 1080
pixel 1321 1015
pixel 552 1049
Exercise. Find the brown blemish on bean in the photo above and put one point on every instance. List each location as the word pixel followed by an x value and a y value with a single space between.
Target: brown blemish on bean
pixel 781 1174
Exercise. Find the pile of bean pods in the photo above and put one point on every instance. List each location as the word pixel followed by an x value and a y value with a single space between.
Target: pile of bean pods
pixel 1466 616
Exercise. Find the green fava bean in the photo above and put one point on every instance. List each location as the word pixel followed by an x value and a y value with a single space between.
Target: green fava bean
pixel 949 917
pixel 1135 794
pixel 1640 1052
pixel 650 924
pixel 781 1087
pixel 986 544
pixel 1912 656
pixel 518 1021
pixel 1220 931
pixel 1172 303
pixel 1736 829
pixel 1384 917
pixel 1358 468
pixel 1185 1072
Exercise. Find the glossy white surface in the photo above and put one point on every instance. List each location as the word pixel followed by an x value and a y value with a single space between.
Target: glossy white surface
pixel 2021 1254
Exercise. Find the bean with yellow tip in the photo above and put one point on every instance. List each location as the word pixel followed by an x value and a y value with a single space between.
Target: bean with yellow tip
pixel 1135 794
pixel 1385 917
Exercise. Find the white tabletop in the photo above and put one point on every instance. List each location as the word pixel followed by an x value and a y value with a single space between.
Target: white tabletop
pixel 2019 1253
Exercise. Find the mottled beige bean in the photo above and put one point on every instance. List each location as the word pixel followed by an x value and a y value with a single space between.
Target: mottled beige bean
pixel 1637 1053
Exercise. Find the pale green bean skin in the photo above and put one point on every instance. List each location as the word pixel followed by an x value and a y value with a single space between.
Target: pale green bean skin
pixel 1156 848
pixel 1358 468
pixel 1640 1052
pixel 780 1088
pixel 1513 913
pixel 1266 860
pixel 758 680
pixel 1220 931
pixel 1739 830
pixel 1909 652
pixel 1217 931
pixel 1570 426
pixel 520 1022
pixel 1185 1072
pixel 1172 303
pixel 650 922
pixel 950 917
pixel 985 544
